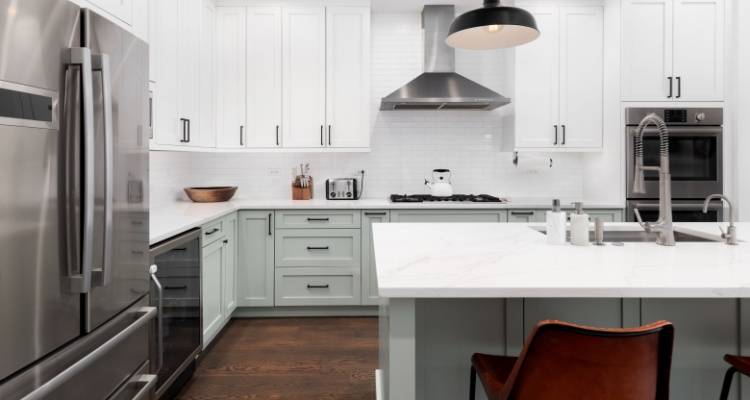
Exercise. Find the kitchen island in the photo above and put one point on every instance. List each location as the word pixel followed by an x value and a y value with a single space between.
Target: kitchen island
pixel 450 290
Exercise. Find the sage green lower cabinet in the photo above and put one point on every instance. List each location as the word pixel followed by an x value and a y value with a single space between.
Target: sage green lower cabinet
pixel 214 257
pixel 592 312
pixel 449 216
pixel 255 270
pixel 318 248
pixel 606 215
pixel 369 273
pixel 317 286
pixel 527 216
pixel 230 265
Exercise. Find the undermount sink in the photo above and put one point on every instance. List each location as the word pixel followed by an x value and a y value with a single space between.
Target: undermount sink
pixel 640 236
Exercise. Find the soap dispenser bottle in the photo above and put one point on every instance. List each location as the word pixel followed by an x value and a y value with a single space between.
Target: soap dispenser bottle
pixel 579 226
pixel 556 220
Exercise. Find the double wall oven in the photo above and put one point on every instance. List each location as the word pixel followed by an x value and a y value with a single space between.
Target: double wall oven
pixel 696 163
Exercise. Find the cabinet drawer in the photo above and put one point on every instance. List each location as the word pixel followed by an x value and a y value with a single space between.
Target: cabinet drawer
pixel 318 248
pixel 212 232
pixel 317 287
pixel 318 219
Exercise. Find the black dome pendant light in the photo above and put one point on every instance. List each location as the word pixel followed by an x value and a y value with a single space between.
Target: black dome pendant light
pixel 492 27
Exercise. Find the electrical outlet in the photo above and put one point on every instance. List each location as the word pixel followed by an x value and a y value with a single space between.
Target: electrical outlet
pixel 273 171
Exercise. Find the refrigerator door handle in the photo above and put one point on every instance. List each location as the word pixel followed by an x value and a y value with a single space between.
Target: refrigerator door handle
pixel 148 382
pixel 81 282
pixel 47 390
pixel 100 63
pixel 159 317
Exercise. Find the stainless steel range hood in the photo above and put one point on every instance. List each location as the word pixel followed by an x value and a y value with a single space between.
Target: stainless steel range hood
pixel 440 87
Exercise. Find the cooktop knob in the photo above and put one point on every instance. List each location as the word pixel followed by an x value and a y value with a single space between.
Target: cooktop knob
pixel 700 117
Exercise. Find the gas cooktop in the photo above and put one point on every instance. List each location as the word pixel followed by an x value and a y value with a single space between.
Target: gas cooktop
pixel 420 198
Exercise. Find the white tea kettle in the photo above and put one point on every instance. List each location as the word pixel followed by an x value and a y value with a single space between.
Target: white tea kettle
pixel 440 185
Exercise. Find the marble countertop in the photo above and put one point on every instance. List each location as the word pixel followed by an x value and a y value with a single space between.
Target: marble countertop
pixel 172 219
pixel 513 260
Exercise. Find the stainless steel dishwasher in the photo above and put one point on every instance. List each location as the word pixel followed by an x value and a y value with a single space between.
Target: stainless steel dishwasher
pixel 176 292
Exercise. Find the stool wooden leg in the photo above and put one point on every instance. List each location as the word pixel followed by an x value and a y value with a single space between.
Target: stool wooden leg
pixel 727 383
pixel 473 384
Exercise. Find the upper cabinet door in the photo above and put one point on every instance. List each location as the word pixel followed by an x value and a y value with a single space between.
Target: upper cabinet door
pixel 188 68
pixel 647 50
pixel 304 76
pixel 207 78
pixel 264 128
pixel 230 77
pixel 167 129
pixel 537 84
pixel 122 9
pixel 581 76
pixel 348 77
pixel 699 50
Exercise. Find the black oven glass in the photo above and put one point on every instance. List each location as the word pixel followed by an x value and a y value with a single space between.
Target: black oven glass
pixel 682 215
pixel 692 158
pixel 179 274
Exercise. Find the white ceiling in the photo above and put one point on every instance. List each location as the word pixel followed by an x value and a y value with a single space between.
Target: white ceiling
pixel 386 6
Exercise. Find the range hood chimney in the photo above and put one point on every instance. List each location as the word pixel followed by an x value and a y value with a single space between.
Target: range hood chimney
pixel 440 87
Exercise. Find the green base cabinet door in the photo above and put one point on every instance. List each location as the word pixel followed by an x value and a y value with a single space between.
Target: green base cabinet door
pixel 369 273
pixel 230 265
pixel 211 294
pixel 255 269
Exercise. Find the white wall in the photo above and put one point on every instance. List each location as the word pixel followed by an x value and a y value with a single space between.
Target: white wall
pixel 407 145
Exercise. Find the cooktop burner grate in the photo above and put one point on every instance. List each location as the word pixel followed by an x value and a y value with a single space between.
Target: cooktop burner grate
pixel 421 198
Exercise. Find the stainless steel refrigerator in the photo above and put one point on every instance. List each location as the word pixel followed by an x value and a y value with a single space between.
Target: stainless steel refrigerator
pixel 74 309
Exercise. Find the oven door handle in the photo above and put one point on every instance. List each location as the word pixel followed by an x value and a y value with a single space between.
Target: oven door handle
pixel 679 206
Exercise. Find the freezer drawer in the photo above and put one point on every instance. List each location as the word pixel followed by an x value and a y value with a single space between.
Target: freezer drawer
pixel 93 367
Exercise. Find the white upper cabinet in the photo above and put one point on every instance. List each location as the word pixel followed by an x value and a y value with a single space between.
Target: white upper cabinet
pixel 304 76
pixel 348 76
pixel 581 76
pixel 188 70
pixel 167 129
pixel 538 84
pixel 699 49
pixel 264 68
pixel 207 77
pixel 230 78
pixel 673 50
pixel 559 81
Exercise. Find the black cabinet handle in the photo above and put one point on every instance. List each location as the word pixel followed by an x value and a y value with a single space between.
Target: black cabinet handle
pixel 181 287
pixel 563 141
pixel 326 286
pixel 522 213
pixel 679 87
pixel 311 248
pixel 184 130
pixel 318 219
pixel 670 87
pixel 242 135
pixel 372 214
pixel 226 241
pixel 277 136
pixel 329 135
pixel 322 143
pixel 269 224
pixel 212 231
pixel 555 136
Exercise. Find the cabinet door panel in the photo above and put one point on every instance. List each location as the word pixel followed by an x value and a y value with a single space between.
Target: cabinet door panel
pixel 537 83
pixel 255 269
pixel 211 295
pixel 188 67
pixel 229 288
pixel 699 49
pixel 581 76
pixel 646 49
pixel 166 124
pixel 369 273
pixel 348 76
pixel 230 79
pixel 304 75
pixel 264 77
pixel 207 79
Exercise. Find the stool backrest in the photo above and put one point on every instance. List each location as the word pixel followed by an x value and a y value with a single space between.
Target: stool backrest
pixel 564 361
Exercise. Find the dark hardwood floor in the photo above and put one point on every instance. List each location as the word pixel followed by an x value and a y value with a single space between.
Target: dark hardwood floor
pixel 290 359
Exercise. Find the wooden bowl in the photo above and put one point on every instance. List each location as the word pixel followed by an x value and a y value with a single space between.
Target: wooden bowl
pixel 210 194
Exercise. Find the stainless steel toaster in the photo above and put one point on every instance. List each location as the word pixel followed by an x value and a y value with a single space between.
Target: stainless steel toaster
pixel 342 189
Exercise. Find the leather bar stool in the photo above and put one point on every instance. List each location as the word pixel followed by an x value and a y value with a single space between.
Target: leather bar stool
pixel 564 361
pixel 737 364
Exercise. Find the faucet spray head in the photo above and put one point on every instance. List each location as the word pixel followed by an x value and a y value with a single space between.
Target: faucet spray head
pixel 639 179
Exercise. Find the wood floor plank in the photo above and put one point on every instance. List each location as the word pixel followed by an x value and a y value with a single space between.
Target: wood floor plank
pixel 289 359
